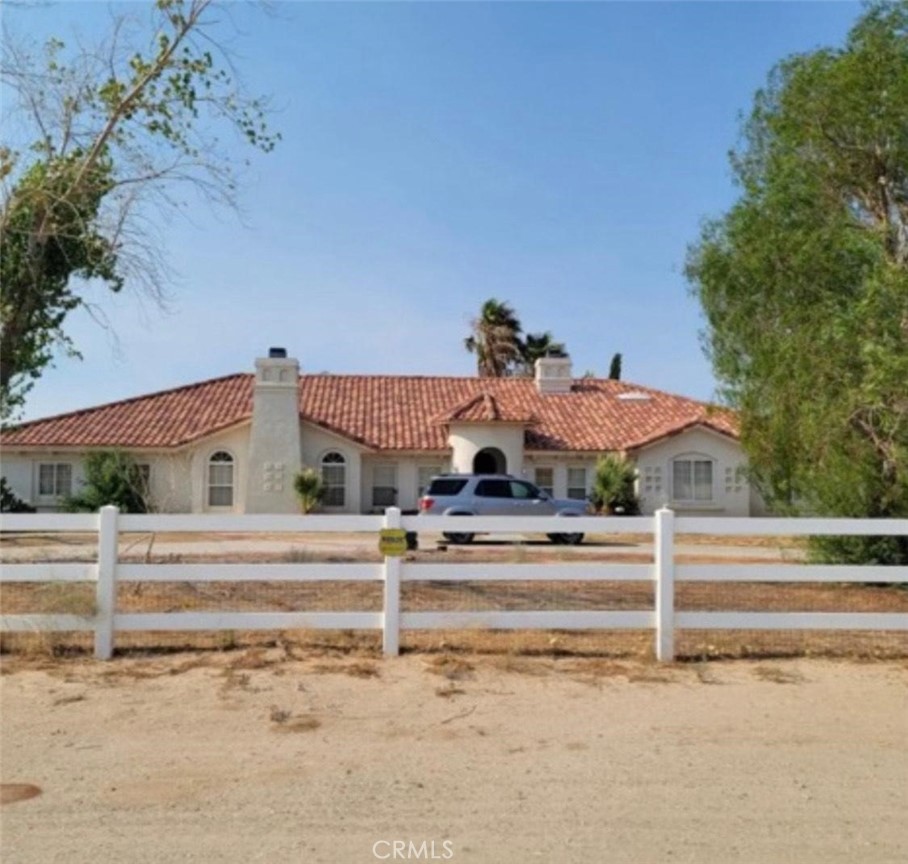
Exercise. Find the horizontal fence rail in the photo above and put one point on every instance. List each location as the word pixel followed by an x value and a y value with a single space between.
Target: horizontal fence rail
pixel 664 619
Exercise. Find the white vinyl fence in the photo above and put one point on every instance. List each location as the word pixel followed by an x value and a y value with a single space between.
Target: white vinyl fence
pixel 664 619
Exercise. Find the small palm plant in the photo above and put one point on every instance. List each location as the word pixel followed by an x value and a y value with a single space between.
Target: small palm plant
pixel 309 488
pixel 613 486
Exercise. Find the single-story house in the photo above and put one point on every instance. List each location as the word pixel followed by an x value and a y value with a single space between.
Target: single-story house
pixel 234 444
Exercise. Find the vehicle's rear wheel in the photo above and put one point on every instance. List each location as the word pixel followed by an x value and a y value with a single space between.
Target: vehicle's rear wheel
pixel 572 539
pixel 460 538
pixel 557 539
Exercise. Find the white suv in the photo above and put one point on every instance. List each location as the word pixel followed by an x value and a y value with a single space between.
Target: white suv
pixel 494 495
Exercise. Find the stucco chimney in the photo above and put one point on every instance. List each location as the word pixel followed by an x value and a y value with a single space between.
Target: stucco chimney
pixel 554 375
pixel 274 441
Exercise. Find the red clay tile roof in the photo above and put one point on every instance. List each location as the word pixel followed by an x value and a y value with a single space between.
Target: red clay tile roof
pixel 385 412
pixel 485 408
pixel 166 419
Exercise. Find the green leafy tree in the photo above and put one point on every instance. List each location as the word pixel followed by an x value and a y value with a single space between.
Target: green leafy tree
pixel 614 369
pixel 113 128
pixel 804 283
pixel 309 488
pixel 111 478
pixel 614 486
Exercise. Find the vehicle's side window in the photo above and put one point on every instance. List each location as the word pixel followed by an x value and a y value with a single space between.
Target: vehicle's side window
pixel 493 489
pixel 446 486
pixel 524 491
pixel 425 475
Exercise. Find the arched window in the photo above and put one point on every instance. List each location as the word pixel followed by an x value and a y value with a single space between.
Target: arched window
pixel 334 476
pixel 220 480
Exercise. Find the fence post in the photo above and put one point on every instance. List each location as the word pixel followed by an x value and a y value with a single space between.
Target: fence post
pixel 391 624
pixel 664 548
pixel 106 589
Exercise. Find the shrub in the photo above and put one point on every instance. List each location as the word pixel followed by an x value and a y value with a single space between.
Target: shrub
pixel 309 488
pixel 10 502
pixel 890 550
pixel 613 486
pixel 111 477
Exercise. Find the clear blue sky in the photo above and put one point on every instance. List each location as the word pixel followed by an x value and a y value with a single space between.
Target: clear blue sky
pixel 559 156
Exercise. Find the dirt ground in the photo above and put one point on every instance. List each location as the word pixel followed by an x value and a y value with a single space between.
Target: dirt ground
pixel 247 756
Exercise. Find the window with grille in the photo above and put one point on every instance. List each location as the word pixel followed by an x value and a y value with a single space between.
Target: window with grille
pixel 692 479
pixel 545 480
pixel 55 479
pixel 334 476
pixel 220 480
pixel 576 481
pixel 384 485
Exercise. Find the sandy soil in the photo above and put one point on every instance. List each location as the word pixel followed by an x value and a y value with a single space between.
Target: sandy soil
pixel 251 756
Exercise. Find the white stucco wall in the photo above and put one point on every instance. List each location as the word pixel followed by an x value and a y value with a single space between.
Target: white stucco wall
pixel 233 441
pixel 559 463
pixel 731 492
pixel 467 439
pixel 407 468
pixel 316 443
pixel 21 472
pixel 274 439
pixel 19 475
pixel 178 479
pixel 170 480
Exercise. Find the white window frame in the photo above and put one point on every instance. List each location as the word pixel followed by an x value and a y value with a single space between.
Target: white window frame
pixel 694 499
pixel 383 488
pixel 59 488
pixel 331 486
pixel 586 479
pixel 212 462
pixel 545 487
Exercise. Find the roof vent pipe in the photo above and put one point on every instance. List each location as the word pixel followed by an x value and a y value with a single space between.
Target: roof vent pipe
pixel 277 353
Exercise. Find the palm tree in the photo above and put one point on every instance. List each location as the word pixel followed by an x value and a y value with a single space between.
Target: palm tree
pixel 614 489
pixel 536 346
pixel 495 340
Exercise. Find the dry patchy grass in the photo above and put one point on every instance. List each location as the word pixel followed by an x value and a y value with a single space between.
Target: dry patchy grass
pixel 336 648
pixel 777 675
pixel 285 721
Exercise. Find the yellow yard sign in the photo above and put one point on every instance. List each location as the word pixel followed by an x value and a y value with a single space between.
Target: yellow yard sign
pixel 392 542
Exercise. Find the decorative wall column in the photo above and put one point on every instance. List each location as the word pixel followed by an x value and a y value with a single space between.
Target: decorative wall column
pixel 274 442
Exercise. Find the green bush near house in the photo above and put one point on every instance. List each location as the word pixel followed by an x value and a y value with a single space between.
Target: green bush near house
pixel 613 486
pixel 309 488
pixel 111 478
pixel 10 502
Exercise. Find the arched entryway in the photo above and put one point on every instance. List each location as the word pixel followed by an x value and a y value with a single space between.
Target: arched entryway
pixel 490 460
